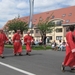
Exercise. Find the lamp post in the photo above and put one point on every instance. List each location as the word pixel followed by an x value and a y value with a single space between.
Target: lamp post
pixel 31 2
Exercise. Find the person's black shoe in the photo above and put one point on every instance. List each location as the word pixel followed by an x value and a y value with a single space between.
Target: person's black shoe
pixel 63 68
pixel 20 54
pixel 73 70
pixel 26 53
pixel 15 54
pixel 2 57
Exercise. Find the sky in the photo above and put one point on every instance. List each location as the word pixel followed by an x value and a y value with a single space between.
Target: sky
pixel 10 9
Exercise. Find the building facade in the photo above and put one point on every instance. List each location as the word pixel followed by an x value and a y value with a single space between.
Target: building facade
pixel 61 17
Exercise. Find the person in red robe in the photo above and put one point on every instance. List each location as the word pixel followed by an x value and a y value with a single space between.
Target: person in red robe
pixel 3 40
pixel 70 50
pixel 28 42
pixel 17 43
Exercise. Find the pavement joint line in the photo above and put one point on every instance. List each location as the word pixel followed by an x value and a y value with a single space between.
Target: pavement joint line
pixel 17 69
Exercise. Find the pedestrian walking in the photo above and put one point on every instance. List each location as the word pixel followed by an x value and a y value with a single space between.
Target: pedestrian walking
pixel 44 40
pixel 3 40
pixel 28 42
pixel 17 43
pixel 70 50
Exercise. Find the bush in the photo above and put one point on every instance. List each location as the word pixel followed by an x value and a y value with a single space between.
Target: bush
pixel 34 47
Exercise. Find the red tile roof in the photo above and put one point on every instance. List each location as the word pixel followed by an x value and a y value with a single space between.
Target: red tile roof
pixel 67 14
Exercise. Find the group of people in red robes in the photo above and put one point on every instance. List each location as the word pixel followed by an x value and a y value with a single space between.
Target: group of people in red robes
pixel 28 39
pixel 17 45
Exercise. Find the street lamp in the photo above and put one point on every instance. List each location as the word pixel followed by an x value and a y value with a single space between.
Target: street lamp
pixel 31 2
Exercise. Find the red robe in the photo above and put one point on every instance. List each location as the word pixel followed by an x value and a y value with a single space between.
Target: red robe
pixel 17 43
pixel 28 40
pixel 3 39
pixel 70 50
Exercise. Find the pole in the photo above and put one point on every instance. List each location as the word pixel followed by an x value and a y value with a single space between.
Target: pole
pixel 31 13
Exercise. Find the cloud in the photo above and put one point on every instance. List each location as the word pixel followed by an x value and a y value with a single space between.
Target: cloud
pixel 47 5
pixel 22 5
pixel 10 9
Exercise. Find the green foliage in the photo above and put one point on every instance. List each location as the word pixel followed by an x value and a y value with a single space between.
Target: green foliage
pixel 45 26
pixel 39 47
pixel 17 24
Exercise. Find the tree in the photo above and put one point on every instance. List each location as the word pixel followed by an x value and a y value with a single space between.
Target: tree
pixel 17 24
pixel 45 26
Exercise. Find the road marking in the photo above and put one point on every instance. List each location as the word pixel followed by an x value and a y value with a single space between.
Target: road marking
pixel 17 69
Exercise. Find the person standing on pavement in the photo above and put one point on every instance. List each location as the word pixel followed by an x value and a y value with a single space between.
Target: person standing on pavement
pixel 70 50
pixel 44 40
pixel 17 43
pixel 3 40
pixel 28 42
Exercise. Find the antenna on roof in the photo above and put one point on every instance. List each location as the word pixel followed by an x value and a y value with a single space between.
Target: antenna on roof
pixel 18 15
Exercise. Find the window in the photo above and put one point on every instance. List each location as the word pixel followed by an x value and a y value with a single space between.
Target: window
pixel 31 31
pixel 70 14
pixel 63 15
pixel 59 30
pixel 37 31
pixel 58 37
pixel 67 21
pixel 50 37
pixel 52 17
pixel 58 23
